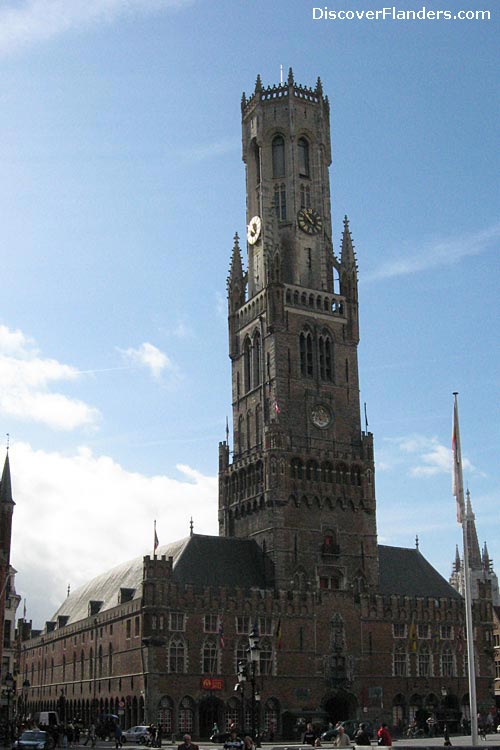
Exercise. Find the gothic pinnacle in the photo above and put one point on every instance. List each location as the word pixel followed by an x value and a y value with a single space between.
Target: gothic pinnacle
pixel 258 84
pixel 290 77
pixel 319 87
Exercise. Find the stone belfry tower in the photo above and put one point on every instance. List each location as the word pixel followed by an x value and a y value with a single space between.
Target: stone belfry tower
pixel 301 478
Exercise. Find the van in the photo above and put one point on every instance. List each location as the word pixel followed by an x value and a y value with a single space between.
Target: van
pixel 46 719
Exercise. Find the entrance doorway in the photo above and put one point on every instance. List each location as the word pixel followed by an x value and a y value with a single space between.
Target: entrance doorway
pixel 211 712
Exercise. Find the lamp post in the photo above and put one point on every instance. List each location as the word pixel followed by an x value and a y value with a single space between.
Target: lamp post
pixel 9 684
pixel 254 660
pixel 249 670
pixel 25 693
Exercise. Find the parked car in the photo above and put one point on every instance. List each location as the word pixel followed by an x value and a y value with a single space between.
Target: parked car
pixel 34 739
pixel 351 727
pixel 136 735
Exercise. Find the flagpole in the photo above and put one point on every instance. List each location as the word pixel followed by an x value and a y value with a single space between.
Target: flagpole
pixel 463 516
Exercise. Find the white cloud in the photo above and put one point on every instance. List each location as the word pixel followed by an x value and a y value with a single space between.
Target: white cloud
pixel 78 515
pixel 438 253
pixel 25 382
pixel 149 356
pixel 32 21
pixel 420 456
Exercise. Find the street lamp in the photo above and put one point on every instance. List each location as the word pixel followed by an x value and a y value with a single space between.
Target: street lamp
pixel 26 689
pixel 249 670
pixel 9 684
pixel 254 660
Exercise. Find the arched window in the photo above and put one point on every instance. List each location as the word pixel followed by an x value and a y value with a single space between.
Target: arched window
pixel 280 201
pixel 325 357
pixel 249 430
pixel 165 711
pixel 256 156
pixel 305 196
pixel 110 660
pixel 247 364
pixel 306 354
pixel 258 425
pixel 278 149
pixel 424 662
pixel 303 146
pixel 256 359
pixel 185 720
pixel 400 660
pixel 266 657
pixel 82 665
pixel 177 656
pixel 241 434
pixel 99 662
pixel 447 662
pixel 91 664
pixel 209 657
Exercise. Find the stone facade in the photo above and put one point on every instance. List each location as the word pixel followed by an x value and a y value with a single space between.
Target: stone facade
pixel 348 628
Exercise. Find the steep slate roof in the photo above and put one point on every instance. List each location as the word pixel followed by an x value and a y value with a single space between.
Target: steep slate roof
pixel 406 572
pixel 197 560
pixel 227 561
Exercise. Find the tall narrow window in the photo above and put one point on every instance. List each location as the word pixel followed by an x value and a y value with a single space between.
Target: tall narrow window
pixel 278 148
pixel 305 196
pixel 306 354
pixel 258 425
pixel 303 157
pixel 247 364
pixel 256 360
pixel 280 201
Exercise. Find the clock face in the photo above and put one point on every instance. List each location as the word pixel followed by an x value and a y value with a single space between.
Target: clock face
pixel 309 221
pixel 321 416
pixel 253 230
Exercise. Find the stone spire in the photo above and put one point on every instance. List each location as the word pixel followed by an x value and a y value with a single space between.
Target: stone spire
pixel 6 484
pixel 475 562
pixel 347 256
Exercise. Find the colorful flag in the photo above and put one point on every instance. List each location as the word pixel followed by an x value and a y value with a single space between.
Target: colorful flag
pixel 279 635
pixel 276 407
pixel 457 483
pixel 221 633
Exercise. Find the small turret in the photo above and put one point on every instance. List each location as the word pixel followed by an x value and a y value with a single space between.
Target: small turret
pixel 348 279
pixel 236 280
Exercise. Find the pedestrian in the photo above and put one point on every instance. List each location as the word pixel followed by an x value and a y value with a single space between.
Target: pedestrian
pixel 361 737
pixel 384 736
pixel 234 742
pixel 118 736
pixel 90 736
pixel 446 736
pixel 309 737
pixel 248 743
pixel 187 744
pixel 342 739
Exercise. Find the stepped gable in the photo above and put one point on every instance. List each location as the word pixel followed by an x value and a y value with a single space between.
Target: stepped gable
pixel 197 560
pixel 406 572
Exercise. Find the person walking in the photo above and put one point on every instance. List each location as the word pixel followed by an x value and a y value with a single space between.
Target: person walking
pixel 187 744
pixel 309 737
pixel 118 736
pixel 361 737
pixel 384 736
pixel 342 739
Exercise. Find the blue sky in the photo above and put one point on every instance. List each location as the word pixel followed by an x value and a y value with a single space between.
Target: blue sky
pixel 122 188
